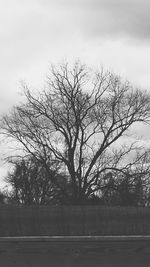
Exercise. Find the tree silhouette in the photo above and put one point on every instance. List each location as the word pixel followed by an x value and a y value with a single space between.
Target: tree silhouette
pixel 76 121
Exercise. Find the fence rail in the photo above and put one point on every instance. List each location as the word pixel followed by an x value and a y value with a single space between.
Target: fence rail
pixel 73 221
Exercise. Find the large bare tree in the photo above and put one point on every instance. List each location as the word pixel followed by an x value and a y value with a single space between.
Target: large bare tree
pixel 76 121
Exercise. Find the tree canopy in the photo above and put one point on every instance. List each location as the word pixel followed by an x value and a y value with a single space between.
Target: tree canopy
pixel 77 122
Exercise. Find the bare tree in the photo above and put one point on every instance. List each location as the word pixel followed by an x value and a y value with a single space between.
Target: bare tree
pixel 77 120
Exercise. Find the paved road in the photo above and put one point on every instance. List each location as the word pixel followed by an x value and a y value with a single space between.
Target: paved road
pixel 75 253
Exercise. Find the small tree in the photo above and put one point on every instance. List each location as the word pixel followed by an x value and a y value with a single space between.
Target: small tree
pixel 124 190
pixel 76 121
pixel 31 184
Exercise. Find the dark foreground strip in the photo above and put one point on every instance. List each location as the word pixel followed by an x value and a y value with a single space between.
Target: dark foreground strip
pixel 74 238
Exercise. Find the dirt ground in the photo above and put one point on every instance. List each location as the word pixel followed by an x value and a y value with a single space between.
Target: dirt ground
pixel 75 254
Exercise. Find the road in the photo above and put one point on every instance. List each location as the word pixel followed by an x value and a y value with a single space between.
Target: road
pixel 73 252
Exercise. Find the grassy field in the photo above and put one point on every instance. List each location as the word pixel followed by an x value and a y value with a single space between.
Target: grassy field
pixel 73 220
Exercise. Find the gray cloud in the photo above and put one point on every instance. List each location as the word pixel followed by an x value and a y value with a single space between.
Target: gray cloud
pixel 119 17
pixel 36 31
pixel 111 18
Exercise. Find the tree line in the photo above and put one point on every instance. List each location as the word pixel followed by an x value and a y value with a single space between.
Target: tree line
pixel 75 141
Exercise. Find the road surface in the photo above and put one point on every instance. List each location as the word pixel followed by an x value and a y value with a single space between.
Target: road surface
pixel 75 252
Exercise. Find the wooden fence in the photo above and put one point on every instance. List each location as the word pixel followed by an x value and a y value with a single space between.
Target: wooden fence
pixel 73 220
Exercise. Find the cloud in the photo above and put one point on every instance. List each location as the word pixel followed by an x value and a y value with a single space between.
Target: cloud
pixel 120 18
pixel 37 32
pixel 117 18
pixel 106 18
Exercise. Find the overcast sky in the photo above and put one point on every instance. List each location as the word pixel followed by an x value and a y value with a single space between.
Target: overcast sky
pixel 36 33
